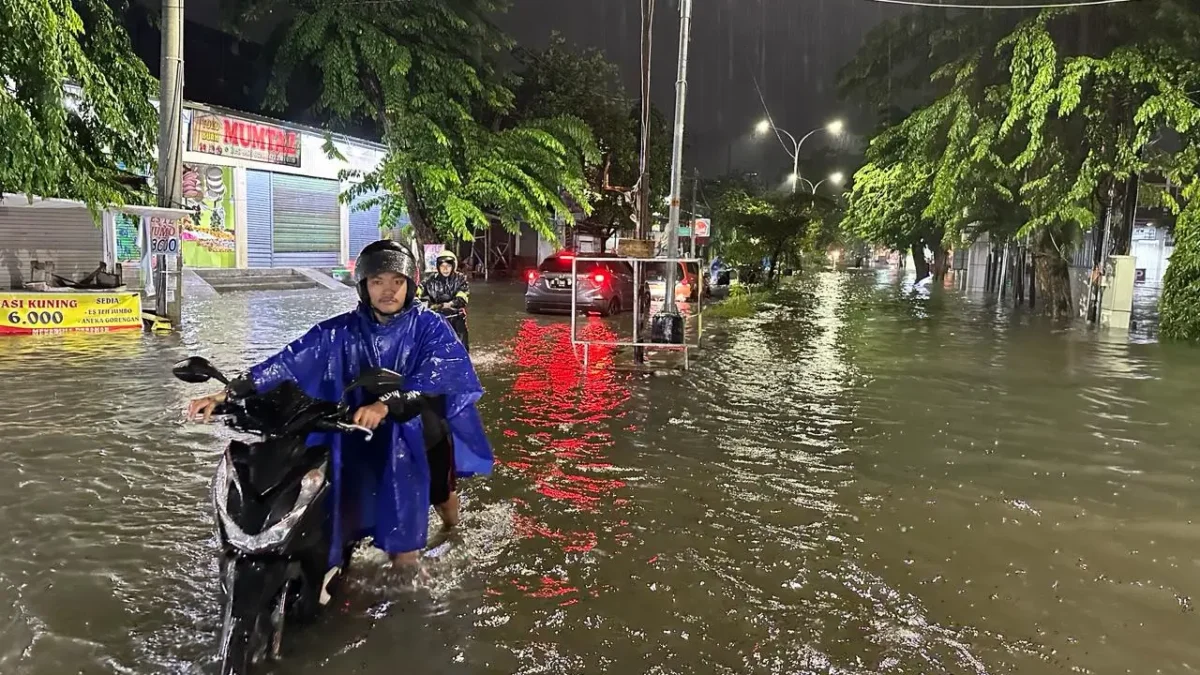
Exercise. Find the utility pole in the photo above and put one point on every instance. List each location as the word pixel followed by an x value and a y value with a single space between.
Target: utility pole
pixel 668 324
pixel 1096 291
pixel 695 212
pixel 642 193
pixel 170 151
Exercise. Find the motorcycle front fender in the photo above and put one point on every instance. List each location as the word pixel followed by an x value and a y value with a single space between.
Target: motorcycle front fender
pixel 251 584
pixel 239 643
pixel 249 588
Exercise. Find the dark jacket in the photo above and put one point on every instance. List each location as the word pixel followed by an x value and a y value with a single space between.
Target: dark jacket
pixel 437 290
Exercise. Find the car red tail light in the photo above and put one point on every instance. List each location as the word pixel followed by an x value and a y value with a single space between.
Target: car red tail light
pixel 532 276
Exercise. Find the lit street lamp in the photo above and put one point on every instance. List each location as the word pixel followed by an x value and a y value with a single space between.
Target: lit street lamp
pixel 835 128
pixel 834 178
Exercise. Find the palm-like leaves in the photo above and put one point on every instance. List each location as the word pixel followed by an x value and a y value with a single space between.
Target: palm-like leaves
pixel 424 71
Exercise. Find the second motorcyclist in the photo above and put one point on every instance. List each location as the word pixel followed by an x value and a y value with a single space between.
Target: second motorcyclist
pixel 447 292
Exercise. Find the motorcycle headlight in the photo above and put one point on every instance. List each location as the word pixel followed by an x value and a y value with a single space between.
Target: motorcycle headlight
pixel 276 534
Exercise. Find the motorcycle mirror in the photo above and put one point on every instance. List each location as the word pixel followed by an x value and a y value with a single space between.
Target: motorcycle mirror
pixel 378 381
pixel 196 370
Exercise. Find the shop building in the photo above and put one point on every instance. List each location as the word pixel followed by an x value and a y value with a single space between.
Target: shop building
pixel 266 193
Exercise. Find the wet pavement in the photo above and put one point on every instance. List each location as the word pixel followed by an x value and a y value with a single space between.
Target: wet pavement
pixel 862 479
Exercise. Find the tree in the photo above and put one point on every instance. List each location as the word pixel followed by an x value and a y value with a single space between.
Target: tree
pixel 1032 127
pixel 425 72
pixel 75 104
pixel 889 201
pixel 775 226
pixel 557 81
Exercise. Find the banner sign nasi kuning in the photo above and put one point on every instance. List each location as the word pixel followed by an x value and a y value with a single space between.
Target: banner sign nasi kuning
pixel 47 313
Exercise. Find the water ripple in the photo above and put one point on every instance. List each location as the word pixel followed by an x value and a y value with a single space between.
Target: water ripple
pixel 865 478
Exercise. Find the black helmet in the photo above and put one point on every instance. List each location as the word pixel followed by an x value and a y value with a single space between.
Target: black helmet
pixel 382 256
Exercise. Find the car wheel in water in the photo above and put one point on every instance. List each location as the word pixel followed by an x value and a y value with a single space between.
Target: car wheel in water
pixel 613 308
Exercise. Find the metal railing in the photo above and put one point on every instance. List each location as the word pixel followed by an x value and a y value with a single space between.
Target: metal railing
pixel 636 343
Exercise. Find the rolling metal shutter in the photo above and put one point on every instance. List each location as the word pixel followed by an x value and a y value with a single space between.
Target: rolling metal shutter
pixel 364 227
pixel 67 236
pixel 306 221
pixel 258 218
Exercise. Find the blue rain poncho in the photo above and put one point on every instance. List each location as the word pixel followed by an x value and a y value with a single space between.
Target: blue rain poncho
pixel 381 488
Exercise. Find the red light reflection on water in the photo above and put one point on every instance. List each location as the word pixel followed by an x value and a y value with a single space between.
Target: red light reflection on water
pixel 559 439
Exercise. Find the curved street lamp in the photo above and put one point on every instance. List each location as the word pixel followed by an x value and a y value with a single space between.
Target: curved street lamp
pixel 834 178
pixel 835 128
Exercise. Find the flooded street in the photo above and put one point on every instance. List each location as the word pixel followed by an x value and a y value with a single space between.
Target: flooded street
pixel 863 479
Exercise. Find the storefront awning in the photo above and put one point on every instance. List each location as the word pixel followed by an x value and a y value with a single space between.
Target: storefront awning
pixel 9 200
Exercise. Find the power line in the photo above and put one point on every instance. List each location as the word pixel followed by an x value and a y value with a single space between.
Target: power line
pixel 959 5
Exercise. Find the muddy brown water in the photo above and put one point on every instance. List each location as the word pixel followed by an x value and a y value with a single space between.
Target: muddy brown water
pixel 864 478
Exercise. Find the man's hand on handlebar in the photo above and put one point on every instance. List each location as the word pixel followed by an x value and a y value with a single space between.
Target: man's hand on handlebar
pixel 203 408
pixel 371 416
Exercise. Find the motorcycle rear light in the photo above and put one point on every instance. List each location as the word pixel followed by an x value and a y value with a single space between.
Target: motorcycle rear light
pixel 599 277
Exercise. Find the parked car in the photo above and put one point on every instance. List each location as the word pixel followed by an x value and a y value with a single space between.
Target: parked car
pixel 689 283
pixel 604 287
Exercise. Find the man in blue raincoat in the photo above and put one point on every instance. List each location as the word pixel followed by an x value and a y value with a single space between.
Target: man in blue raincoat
pixel 429 434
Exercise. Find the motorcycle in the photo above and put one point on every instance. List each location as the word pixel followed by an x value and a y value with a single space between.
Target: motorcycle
pixel 457 318
pixel 269 500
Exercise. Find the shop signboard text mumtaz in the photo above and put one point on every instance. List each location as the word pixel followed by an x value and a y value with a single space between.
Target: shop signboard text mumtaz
pixel 241 139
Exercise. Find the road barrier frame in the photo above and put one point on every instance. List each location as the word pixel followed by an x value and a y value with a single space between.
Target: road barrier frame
pixel 635 343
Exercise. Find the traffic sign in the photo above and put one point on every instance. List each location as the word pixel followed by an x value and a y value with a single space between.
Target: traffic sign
pixel 703 228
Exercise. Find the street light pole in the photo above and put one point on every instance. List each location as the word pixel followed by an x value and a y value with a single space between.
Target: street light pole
pixel 685 30
pixel 834 127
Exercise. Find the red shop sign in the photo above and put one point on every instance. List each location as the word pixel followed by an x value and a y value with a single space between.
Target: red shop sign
pixel 241 139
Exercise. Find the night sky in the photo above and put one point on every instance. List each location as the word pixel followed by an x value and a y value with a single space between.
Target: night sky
pixel 793 47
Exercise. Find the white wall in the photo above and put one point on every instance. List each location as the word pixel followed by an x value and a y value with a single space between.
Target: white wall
pixel 1151 254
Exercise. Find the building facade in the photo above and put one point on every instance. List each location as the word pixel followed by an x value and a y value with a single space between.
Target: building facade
pixel 266 194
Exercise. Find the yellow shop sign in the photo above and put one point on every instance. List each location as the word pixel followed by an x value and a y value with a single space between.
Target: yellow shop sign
pixel 48 313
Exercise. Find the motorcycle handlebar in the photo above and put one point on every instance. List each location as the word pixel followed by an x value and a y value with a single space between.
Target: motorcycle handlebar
pixel 347 427
pixel 226 409
pixel 236 417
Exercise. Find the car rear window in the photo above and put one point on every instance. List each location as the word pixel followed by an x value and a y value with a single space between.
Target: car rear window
pixel 654 271
pixel 657 271
pixel 557 265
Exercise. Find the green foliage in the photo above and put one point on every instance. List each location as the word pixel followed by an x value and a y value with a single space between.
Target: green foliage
pixel 1029 123
pixel 891 195
pixel 737 306
pixel 753 225
pixel 53 51
pixel 560 81
pixel 425 71
pixel 1180 305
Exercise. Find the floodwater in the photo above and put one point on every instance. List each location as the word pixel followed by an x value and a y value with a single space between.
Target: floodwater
pixel 862 479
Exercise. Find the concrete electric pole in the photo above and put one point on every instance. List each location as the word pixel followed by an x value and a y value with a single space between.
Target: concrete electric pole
pixel 170 145
pixel 668 324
